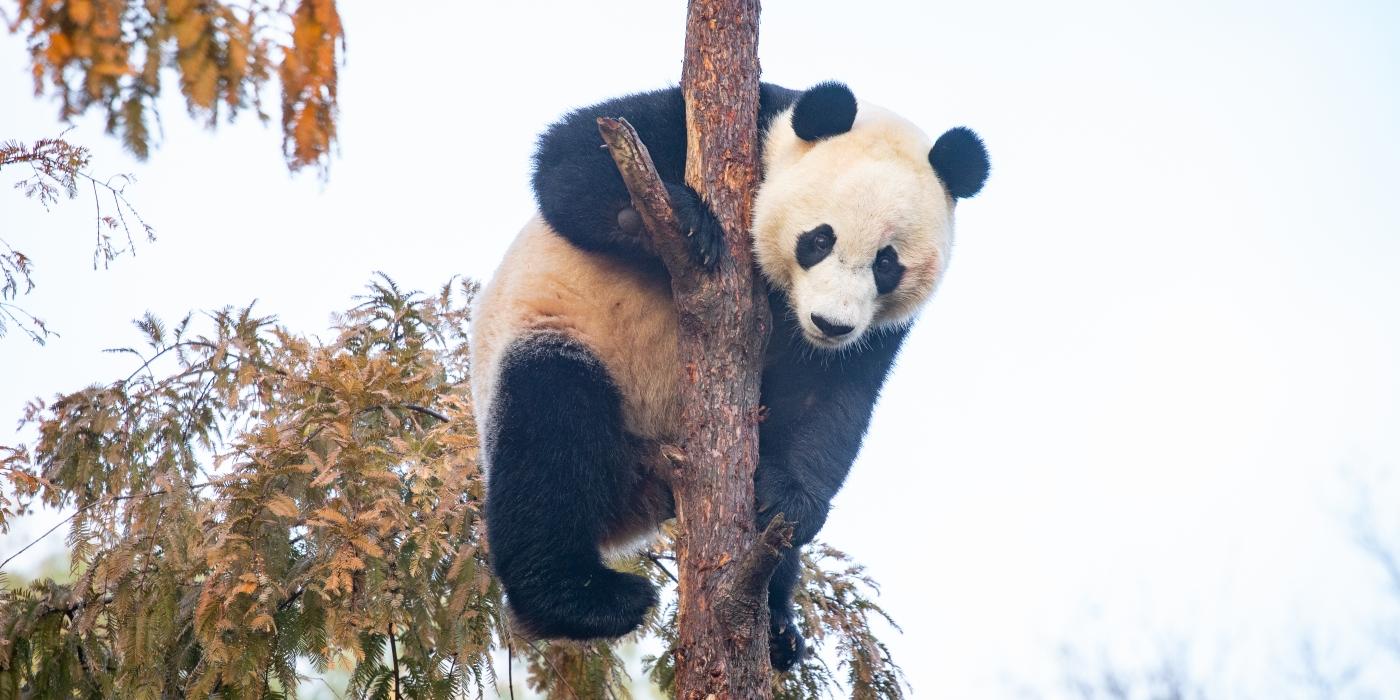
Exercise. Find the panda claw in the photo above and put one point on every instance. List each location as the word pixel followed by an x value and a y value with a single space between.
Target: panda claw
pixel 702 230
pixel 786 647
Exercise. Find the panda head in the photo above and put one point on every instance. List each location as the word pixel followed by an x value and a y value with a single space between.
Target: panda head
pixel 854 218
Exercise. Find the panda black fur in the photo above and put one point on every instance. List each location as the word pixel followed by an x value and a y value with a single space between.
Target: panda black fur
pixel 573 347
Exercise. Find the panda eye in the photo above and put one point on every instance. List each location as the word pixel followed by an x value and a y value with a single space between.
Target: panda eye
pixel 887 269
pixel 813 246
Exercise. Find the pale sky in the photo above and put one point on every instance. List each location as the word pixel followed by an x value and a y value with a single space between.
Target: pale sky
pixel 1170 324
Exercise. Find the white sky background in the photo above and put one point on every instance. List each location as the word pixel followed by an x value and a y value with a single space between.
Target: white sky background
pixel 1171 319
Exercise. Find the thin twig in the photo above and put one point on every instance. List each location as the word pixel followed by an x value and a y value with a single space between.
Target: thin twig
pixel 147 364
pixel 117 204
pixel 655 559
pixel 40 537
pixel 97 200
pixel 426 411
pixel 394 657
pixel 9 310
pixel 100 501
pixel 291 599
pixel 510 667
pixel 330 687
pixel 550 662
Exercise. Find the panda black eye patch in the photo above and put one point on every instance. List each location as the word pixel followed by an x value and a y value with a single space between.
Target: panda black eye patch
pixel 813 246
pixel 888 270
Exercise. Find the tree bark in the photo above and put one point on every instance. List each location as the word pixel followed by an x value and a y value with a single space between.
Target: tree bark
pixel 722 643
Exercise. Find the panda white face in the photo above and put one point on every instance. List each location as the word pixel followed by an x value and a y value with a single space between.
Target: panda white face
pixel 862 247
pixel 855 225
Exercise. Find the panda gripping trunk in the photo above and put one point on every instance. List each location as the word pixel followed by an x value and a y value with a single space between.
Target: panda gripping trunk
pixel 721 649
pixel 627 317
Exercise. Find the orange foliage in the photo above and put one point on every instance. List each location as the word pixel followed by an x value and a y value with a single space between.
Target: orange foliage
pixel 308 73
pixel 109 55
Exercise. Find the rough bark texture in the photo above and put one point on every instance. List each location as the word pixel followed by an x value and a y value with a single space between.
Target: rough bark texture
pixel 722 646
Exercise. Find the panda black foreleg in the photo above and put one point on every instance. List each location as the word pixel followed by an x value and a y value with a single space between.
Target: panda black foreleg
pixel 785 644
pixel 778 491
pixel 583 198
pixel 595 218
pixel 560 473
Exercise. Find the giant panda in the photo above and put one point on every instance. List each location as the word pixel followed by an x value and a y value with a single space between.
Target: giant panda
pixel 573 346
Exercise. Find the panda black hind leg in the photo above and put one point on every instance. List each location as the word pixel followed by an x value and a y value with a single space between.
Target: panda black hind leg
pixel 560 474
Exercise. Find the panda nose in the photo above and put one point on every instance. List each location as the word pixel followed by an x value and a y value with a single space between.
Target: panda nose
pixel 833 330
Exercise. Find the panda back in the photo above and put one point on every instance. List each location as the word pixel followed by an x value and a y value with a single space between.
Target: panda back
pixel 620 311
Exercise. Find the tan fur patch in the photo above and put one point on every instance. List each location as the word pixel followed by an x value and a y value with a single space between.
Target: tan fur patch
pixel 623 314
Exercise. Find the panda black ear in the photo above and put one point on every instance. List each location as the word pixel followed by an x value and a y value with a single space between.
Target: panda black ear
pixel 960 160
pixel 827 109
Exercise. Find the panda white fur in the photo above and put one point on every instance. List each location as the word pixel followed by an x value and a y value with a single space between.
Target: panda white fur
pixel 574 340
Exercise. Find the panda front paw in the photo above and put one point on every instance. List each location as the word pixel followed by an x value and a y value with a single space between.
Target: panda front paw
pixel 786 648
pixel 776 493
pixel 702 230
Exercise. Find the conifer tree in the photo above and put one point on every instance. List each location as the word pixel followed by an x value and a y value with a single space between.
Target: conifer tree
pixel 252 506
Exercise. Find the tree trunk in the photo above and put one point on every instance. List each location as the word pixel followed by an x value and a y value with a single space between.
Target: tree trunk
pixel 722 644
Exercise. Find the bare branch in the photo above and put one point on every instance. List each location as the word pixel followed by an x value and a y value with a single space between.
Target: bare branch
pixel 745 594
pixel 662 231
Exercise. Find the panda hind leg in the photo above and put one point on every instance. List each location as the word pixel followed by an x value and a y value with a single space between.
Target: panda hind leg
pixel 562 471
